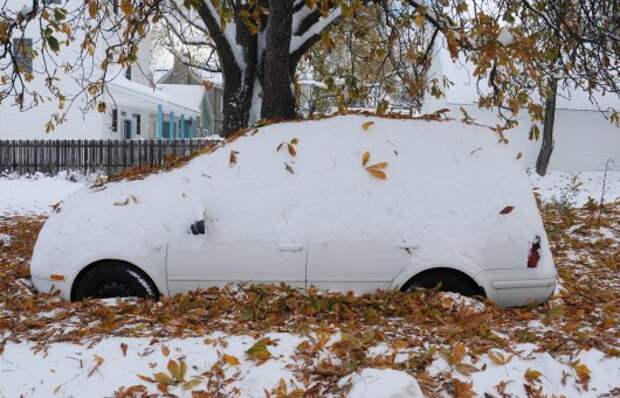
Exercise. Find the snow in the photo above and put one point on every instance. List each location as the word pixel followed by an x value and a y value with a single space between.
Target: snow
pixel 5 239
pixel 316 29
pixel 35 194
pixel 386 383
pixel 577 188
pixel 505 36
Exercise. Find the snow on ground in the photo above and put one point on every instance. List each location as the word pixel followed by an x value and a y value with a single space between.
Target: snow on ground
pixel 35 194
pixel 576 189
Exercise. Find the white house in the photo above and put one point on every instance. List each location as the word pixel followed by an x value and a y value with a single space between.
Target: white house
pixel 134 107
pixel 584 139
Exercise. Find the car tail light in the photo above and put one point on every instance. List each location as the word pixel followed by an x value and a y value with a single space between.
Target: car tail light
pixel 534 257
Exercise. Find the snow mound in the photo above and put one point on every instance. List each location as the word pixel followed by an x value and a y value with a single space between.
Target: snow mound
pixel 385 383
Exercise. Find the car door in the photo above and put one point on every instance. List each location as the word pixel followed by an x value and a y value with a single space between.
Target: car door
pixel 361 266
pixel 220 256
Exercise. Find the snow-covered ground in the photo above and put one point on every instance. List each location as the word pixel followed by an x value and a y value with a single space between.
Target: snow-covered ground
pixel 35 194
pixel 577 188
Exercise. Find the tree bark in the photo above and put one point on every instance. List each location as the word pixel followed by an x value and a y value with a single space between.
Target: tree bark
pixel 278 98
pixel 546 149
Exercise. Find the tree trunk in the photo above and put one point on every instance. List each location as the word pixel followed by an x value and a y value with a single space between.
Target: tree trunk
pixel 544 156
pixel 278 100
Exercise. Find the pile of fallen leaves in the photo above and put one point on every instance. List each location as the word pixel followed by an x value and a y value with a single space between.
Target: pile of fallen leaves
pixel 584 314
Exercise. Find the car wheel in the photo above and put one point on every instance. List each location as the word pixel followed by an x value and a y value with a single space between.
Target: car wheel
pixel 114 279
pixel 448 281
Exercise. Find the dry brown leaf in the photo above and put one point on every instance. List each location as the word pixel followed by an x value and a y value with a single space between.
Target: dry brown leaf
pixel 124 349
pixel 98 363
pixel 376 173
pixel 232 160
pixel 231 360
pixel 291 150
pixel 381 165
pixel 368 125
pixel 532 375
pixel 288 168
pixel 365 158
pixel 462 390
pixel 165 350
pixel 507 210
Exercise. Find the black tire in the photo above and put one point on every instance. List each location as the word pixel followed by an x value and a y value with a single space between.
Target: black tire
pixel 113 279
pixel 449 281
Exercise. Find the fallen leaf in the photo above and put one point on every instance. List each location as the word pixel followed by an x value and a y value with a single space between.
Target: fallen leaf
pixel 288 168
pixel 376 173
pixel 365 158
pixel 124 349
pixel 189 385
pixel 291 150
pixel 232 160
pixel 368 125
pixel 231 360
pixel 507 210
pixel 165 350
pixel 462 389
pixel 532 375
pixel 381 165
pixel 259 350
pixel 98 363
pixel 164 379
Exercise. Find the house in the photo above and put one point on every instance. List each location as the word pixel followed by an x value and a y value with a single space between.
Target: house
pixel 201 90
pixel 135 108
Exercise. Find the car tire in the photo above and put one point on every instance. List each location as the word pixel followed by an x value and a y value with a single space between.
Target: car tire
pixel 450 282
pixel 114 279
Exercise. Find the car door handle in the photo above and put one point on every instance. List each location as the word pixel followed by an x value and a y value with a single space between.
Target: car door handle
pixel 198 228
pixel 290 249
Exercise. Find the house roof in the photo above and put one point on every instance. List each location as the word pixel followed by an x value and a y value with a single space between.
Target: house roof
pixel 129 93
pixel 186 94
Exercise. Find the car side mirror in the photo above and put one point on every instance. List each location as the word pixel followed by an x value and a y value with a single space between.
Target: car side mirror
pixel 198 228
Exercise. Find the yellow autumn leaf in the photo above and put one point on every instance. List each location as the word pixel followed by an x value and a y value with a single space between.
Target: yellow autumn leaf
pixel 164 379
pixel 259 350
pixel 457 354
pixel 294 141
pixel 582 370
pixel 376 173
pixel 381 165
pixel 175 370
pixel 126 7
pixel 231 360
pixel 365 158
pixel 193 383
pixel 368 125
pixel 532 375
pixel 499 359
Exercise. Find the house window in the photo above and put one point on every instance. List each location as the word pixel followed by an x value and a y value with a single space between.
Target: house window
pixel 115 120
pixel 23 54
pixel 128 73
pixel 138 123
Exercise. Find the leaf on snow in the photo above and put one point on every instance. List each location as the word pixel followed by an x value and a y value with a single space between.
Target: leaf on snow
pixel 376 173
pixel 259 350
pixel 532 375
pixel 365 158
pixel 507 210
pixel 368 125
pixel 288 168
pixel 232 160
pixel 231 360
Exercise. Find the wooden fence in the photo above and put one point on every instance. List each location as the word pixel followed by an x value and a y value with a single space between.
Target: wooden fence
pixel 85 156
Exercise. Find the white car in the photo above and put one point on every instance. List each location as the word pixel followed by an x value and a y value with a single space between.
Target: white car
pixel 346 203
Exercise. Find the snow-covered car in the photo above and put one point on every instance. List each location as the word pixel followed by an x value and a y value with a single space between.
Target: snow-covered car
pixel 347 203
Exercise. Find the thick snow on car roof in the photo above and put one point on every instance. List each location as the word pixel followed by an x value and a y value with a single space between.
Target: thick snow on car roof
pixel 445 185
